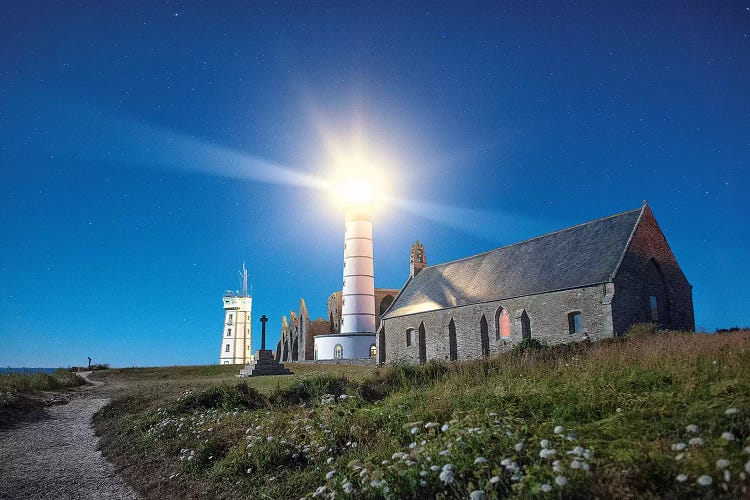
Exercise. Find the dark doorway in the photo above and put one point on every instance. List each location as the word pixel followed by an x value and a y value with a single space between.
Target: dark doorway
pixel 484 336
pixel 525 326
pixel 422 345
pixel 452 345
pixel 655 297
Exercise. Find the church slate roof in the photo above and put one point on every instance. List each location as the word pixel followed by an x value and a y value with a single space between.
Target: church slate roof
pixel 578 256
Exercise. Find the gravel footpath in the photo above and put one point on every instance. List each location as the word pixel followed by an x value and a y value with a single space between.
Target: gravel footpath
pixel 55 457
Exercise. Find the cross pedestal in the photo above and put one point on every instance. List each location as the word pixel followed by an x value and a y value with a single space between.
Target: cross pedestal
pixel 265 362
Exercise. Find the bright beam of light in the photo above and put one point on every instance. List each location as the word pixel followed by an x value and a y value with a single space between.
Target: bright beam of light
pixel 493 227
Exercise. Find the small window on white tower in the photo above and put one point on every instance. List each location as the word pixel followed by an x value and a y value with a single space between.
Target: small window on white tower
pixel 338 351
pixel 226 349
pixel 229 320
pixel 229 332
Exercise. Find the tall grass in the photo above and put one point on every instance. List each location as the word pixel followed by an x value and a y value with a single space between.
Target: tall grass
pixel 617 416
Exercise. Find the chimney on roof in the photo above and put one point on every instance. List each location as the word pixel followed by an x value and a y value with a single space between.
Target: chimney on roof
pixel 417 261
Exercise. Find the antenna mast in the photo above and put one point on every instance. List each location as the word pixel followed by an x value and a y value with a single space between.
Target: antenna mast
pixel 243 275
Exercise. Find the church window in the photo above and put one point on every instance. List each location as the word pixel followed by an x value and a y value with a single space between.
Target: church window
pixel 575 322
pixel 373 351
pixel 226 348
pixel 229 332
pixel 409 335
pixel 484 336
pixel 226 362
pixel 452 344
pixel 525 326
pixel 653 304
pixel 229 320
pixel 502 324
pixel 338 351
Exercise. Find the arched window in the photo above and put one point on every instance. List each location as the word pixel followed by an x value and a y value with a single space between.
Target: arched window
pixel 422 344
pixel 656 303
pixel 385 303
pixel 338 351
pixel 502 323
pixel 381 349
pixel 484 336
pixel 452 345
pixel 229 332
pixel 525 326
pixel 226 348
pixel 295 350
pixel 373 351
pixel 409 336
pixel 315 354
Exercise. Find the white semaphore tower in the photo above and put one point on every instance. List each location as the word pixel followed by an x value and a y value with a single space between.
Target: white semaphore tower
pixel 236 336
pixel 357 336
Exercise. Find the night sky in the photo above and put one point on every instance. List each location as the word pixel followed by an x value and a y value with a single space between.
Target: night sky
pixel 146 151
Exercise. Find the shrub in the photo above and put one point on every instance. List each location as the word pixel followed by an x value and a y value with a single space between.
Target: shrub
pixel 225 397
pixel 526 345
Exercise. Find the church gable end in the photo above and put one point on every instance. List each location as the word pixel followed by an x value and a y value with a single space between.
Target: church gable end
pixel 649 284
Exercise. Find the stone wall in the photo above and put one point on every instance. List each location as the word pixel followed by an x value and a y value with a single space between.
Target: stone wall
pixel 547 313
pixel 650 268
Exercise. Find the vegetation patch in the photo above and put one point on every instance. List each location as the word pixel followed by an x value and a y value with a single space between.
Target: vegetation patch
pixel 658 414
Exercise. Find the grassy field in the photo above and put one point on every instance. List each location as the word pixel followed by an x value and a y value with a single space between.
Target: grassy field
pixel 656 415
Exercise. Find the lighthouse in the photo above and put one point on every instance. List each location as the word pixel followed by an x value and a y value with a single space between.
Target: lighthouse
pixel 356 338
pixel 236 336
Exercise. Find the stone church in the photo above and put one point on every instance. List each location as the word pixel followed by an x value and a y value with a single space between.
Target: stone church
pixel 594 279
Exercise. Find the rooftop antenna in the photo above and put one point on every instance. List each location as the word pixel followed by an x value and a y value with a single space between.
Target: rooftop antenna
pixel 243 275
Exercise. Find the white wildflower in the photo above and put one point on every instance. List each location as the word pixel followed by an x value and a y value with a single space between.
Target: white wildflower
pixel 559 429
pixel 728 436
pixel 480 460
pixel 561 481
pixel 422 482
pixel 747 450
pixel 414 430
pixel 518 446
pixel 330 459
pixel 430 425
pixel 693 429
pixel 319 491
pixel 493 414
pixel 679 446
pixel 544 443
pixel 398 455
pixel 477 495
pixel 727 476
pixel 412 446
pixel 330 474
pixel 578 451
pixel 449 467
pixel 348 488
pixel 546 453
pixel 747 466
pixel 445 427
pixel 722 463
pixel 696 441
pixel 423 473
pixel 495 479
pixel 434 468
pixel 731 411
pixel 679 456
pixel 575 464
pixel 447 476
pixel 445 453
pixel 546 487
pixel 681 478
pixel 556 466
pixel 618 410
pixel 704 480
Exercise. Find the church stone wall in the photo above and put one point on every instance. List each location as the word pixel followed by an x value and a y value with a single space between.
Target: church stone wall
pixel 548 317
pixel 638 278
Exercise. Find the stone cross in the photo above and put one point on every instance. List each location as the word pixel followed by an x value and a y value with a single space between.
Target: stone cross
pixel 263 320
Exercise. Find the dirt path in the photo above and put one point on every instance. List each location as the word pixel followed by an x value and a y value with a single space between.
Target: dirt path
pixel 55 456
